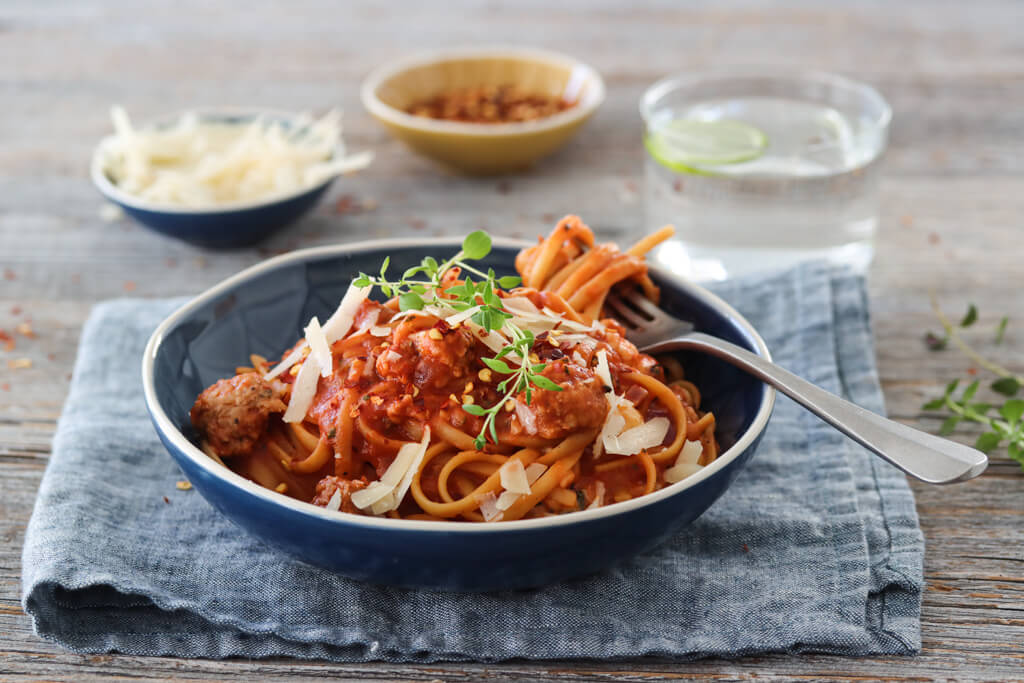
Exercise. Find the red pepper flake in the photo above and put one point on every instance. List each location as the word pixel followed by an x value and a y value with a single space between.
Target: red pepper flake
pixel 972 371
pixel 9 274
pixel 442 326
pixel 745 548
pixel 7 340
pixel 417 223
pixel 678 185
pixel 129 286
pixel 167 500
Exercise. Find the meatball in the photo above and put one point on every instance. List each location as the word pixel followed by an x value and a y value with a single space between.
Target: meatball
pixel 430 359
pixel 232 414
pixel 579 405
pixel 326 487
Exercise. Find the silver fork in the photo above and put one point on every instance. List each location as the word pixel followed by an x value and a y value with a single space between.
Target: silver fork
pixel 929 458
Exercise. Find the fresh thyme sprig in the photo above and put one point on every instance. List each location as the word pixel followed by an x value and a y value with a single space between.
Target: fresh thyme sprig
pixel 489 313
pixel 1008 425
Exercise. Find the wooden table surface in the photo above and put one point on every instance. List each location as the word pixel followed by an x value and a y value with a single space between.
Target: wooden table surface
pixel 951 223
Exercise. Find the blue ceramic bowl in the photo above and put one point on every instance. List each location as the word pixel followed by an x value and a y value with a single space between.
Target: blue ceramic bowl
pixel 262 310
pixel 233 225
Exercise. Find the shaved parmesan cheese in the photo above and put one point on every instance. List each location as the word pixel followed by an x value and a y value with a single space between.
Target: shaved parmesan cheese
pixel 521 304
pixel 598 496
pixel 335 502
pixel 388 493
pixel 602 369
pixel 526 417
pixel 489 508
pixel 303 391
pixel 613 424
pixel 319 350
pixel 513 477
pixel 578 358
pixel 377 331
pixel 291 359
pixel 201 163
pixel 462 316
pixel 632 441
pixel 340 322
pixel 506 500
pixel 370 320
pixel 686 462
pixel 681 471
pixel 534 471
pixel 690 453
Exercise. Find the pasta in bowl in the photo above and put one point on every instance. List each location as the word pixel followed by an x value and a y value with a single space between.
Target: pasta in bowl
pixel 451 410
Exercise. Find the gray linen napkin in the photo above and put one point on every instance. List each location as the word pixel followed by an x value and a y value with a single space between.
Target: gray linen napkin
pixel 815 547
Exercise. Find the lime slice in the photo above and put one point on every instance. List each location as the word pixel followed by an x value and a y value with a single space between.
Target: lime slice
pixel 684 144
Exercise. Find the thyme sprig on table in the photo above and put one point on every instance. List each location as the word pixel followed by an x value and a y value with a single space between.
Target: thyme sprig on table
pixel 1007 425
pixel 488 313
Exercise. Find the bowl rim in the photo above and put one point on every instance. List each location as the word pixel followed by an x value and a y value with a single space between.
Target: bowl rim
pixel 198 458
pixel 591 100
pixel 115 194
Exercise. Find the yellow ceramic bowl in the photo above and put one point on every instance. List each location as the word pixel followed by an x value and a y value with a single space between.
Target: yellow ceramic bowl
pixel 482 148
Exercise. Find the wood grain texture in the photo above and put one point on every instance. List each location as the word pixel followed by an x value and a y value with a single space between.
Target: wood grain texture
pixel 953 198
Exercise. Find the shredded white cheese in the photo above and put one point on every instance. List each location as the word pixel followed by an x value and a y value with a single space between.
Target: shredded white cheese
pixel 686 462
pixel 387 493
pixel 598 496
pixel 202 163
pixel 335 502
pixel 632 441
pixel 319 349
pixel 513 477
pixel 340 322
pixel 534 471
pixel 489 508
pixel 303 391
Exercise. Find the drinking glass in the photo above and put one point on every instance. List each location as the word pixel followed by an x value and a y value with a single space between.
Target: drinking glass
pixel 760 171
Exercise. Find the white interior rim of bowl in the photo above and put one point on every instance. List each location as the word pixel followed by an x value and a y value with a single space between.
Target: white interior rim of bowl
pixel 592 98
pixel 97 168
pixel 660 88
pixel 198 457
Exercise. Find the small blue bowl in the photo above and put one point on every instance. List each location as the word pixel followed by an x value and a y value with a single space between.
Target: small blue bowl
pixel 262 310
pixel 240 224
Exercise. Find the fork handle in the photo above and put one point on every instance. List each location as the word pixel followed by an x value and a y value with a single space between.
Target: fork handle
pixel 927 457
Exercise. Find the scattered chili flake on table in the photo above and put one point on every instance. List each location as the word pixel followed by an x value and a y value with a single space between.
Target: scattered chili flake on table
pixel 16 310
pixel 183 485
pixel 7 340
pixel 167 500
pixel 129 286
pixel 490 104
pixel 6 386
pixel 9 274
pixel 25 330
pixel 19 363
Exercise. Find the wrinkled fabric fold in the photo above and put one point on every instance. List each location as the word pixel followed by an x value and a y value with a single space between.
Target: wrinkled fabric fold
pixel 815 547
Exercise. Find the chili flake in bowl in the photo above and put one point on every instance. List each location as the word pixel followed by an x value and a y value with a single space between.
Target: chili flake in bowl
pixel 532 101
pixel 490 104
